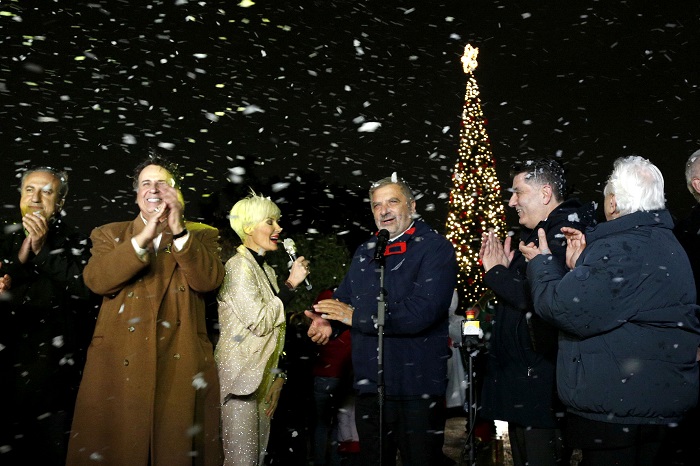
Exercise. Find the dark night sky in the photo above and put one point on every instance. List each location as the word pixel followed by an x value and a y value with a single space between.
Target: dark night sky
pixel 282 89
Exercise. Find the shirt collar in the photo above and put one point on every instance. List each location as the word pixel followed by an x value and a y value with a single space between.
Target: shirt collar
pixel 258 258
pixel 402 233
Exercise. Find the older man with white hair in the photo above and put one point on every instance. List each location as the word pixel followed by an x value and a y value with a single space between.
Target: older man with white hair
pixel 629 322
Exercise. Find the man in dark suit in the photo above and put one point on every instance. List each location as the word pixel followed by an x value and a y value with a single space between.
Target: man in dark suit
pixel 44 317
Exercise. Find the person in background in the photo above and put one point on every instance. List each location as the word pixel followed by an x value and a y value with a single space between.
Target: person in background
pixel 687 230
pixel 420 277
pixel 44 313
pixel 332 373
pixel 149 394
pixel 252 330
pixel 626 306
pixel 519 384
pixel 682 443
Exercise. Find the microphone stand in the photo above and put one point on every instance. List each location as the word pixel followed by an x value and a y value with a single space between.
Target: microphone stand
pixel 381 313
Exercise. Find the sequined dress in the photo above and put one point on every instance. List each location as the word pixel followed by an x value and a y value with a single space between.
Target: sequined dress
pixel 252 324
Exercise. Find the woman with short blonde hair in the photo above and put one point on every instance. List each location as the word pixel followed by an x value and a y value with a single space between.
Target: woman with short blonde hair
pixel 252 325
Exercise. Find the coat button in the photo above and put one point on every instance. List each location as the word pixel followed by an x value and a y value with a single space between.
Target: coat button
pixel 132 329
pixel 176 355
pixel 126 362
pixel 131 294
pixel 182 288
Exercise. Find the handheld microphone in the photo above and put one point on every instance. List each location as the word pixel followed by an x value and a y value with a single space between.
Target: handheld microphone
pixel 291 249
pixel 382 241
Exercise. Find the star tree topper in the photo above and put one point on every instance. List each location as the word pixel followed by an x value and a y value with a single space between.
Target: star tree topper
pixel 469 58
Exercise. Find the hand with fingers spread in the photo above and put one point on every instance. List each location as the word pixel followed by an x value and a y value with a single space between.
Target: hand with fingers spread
pixel 575 244
pixel 333 309
pixel 531 250
pixel 493 252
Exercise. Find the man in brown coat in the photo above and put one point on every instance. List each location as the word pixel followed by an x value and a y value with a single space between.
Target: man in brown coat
pixel 149 393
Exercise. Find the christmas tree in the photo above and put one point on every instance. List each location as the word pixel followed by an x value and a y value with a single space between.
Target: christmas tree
pixel 476 203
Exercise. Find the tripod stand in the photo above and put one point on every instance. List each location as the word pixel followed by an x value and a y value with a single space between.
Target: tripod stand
pixel 470 348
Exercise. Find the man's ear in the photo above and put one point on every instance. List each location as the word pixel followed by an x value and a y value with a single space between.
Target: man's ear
pixel 613 204
pixel 695 182
pixel 546 194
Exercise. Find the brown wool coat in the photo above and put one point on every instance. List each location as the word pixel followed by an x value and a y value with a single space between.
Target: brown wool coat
pixel 150 385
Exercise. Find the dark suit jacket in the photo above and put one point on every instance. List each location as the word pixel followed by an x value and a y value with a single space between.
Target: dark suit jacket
pixel 45 324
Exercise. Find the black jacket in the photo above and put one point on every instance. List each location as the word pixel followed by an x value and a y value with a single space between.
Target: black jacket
pixel 688 233
pixel 630 328
pixel 519 384
pixel 45 321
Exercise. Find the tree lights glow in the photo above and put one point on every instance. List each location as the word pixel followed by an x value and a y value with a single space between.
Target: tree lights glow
pixel 476 203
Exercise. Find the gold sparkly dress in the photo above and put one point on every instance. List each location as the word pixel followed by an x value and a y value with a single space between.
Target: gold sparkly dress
pixel 252 324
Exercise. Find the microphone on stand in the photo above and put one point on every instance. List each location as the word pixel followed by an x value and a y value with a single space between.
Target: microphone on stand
pixel 382 241
pixel 291 249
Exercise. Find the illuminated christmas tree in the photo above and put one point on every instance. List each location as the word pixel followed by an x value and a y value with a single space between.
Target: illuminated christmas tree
pixel 476 203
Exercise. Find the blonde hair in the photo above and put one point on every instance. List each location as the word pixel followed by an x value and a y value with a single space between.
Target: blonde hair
pixel 250 211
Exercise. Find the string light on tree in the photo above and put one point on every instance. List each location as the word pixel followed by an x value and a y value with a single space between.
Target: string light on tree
pixel 476 202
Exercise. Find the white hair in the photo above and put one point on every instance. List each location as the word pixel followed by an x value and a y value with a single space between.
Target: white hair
pixel 637 185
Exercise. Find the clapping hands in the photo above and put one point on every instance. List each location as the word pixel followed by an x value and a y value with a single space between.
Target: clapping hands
pixel 575 244
pixel 5 282
pixel 493 252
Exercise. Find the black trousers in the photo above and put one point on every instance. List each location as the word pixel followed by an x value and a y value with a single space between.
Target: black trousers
pixel 609 444
pixel 541 447
pixel 413 426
